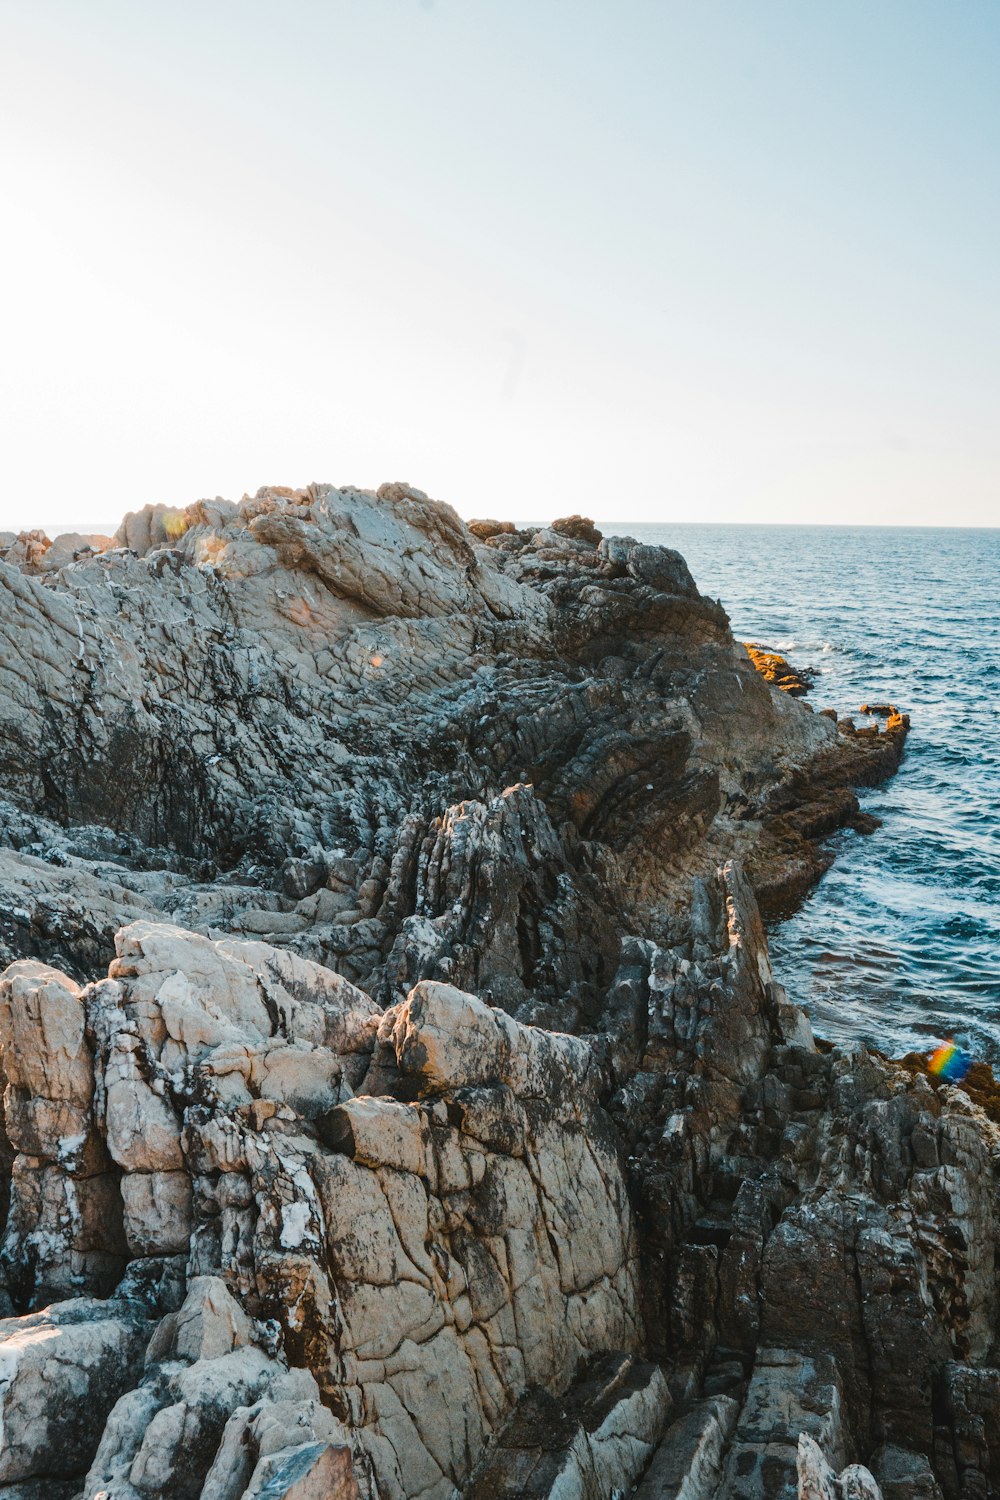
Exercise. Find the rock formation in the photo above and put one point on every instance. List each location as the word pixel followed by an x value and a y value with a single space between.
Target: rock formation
pixel 773 667
pixel 398 1098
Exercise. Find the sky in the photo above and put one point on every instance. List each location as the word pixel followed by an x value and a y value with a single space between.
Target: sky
pixel 719 260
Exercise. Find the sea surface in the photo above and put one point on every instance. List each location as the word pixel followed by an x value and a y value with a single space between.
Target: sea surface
pixel 899 945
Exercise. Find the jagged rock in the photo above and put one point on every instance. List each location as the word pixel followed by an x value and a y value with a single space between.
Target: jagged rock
pixel 25 550
pixel 591 1443
pixel 484 530
pixel 49 1070
pixel 973 1401
pixel 439 1123
pixel 229 681
pixel 214 1415
pixel 687 1463
pixel 858 1483
pixel 817 1481
pixel 789 1394
pixel 530 1267
pixel 579 528
pixel 210 1323
pixel 470 1201
pixel 314 1471
pixel 295 1438
pixel 774 668
pixel 64 1225
pixel 62 1370
pixel 69 547
pixel 519 1264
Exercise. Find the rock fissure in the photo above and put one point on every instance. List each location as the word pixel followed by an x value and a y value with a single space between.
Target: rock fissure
pixel 440 1126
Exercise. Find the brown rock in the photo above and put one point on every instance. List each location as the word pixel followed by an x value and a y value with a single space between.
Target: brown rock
pixel 579 529
pixel 486 529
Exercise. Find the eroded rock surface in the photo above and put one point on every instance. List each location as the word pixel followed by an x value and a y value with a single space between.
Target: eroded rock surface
pixel 399 1101
pixel 278 718
pixel 421 1211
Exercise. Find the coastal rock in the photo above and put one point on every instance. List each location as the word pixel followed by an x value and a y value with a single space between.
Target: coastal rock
pixel 817 1480
pixel 688 1460
pixel 462 1235
pixel 309 681
pixel 63 1370
pixel 593 1442
pixel 399 1101
pixel 773 667
pixel 484 531
pixel 813 1250
pixel 579 529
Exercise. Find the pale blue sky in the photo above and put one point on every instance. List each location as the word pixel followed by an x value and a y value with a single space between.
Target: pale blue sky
pixel 653 261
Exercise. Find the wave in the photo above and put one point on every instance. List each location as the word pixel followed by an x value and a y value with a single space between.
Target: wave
pixel 897 945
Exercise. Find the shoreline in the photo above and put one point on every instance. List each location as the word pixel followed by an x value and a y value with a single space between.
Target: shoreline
pixel 440 1071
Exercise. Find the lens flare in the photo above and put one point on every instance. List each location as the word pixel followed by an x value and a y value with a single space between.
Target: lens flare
pixel 950 1063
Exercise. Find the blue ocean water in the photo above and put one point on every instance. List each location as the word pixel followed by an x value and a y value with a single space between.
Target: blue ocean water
pixel 900 943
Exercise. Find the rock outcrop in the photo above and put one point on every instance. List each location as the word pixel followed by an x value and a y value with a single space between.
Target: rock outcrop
pixel 282 718
pixel 404 1218
pixel 773 667
pixel 399 1101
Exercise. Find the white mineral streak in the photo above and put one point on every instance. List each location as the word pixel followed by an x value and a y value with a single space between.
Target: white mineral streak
pixel 439 1128
pixel 446 1264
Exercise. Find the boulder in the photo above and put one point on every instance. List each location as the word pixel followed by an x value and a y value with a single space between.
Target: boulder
pixel 62 1371
pixel 579 529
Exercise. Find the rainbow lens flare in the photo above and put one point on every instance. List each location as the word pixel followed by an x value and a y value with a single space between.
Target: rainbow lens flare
pixel 950 1063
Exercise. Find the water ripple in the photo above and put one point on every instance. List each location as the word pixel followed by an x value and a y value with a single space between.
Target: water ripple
pixel 899 944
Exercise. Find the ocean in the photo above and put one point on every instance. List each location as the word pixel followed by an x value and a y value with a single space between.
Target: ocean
pixel 899 945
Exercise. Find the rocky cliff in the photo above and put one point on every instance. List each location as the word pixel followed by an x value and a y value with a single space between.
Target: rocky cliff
pixel 399 1101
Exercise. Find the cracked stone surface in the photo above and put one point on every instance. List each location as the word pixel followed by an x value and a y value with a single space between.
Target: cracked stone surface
pixel 398 1099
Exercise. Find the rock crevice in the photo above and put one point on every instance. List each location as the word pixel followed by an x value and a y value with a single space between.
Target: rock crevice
pixel 398 1098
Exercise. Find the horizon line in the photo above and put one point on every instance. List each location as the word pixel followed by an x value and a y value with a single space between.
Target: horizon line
pixel 100 528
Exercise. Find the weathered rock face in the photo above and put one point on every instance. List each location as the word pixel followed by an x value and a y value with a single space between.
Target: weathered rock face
pixel 366 1249
pixel 827 1256
pixel 278 718
pixel 426 1249
pixel 398 1098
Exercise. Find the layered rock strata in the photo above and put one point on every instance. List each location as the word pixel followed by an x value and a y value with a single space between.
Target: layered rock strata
pixel 279 718
pixel 399 1101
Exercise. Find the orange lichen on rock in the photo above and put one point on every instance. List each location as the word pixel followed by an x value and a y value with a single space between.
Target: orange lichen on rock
pixel 775 669
pixel 483 530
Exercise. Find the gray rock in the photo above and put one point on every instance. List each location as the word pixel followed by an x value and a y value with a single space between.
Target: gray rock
pixel 904 1475
pixel 687 1464
pixel 61 1372
pixel 394 1071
